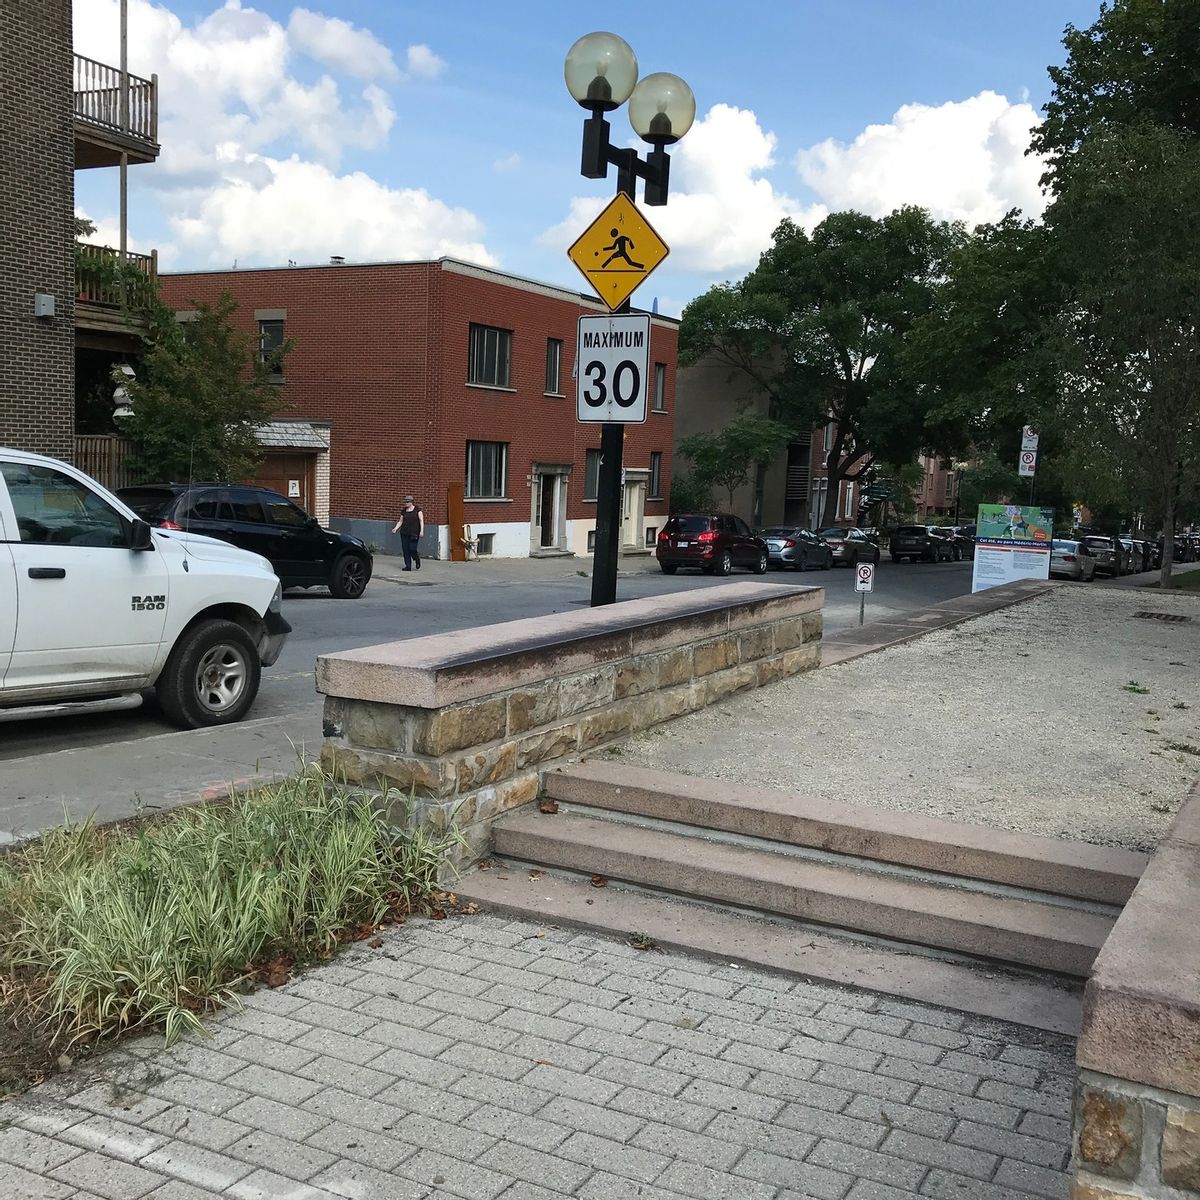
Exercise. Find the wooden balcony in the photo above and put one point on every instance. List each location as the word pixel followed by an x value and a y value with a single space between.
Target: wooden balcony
pixel 114 115
pixel 107 296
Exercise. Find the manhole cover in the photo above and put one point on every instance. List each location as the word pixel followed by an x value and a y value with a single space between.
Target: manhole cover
pixel 1153 616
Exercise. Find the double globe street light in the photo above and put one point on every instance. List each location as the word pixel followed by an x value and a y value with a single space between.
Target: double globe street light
pixel 601 73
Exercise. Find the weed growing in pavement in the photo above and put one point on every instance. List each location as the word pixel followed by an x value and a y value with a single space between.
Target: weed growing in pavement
pixel 1136 688
pixel 113 929
pixel 1183 747
pixel 1180 704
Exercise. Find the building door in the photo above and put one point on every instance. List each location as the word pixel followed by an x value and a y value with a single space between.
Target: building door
pixel 291 473
pixel 633 514
pixel 547 525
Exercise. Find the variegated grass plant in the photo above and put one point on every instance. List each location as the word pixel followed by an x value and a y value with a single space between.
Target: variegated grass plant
pixel 119 928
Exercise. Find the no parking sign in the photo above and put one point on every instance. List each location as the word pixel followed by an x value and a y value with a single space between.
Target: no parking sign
pixel 864 577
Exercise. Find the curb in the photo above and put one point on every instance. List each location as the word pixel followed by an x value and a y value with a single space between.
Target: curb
pixel 852 643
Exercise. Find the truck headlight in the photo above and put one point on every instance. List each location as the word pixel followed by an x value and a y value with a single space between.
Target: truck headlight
pixel 276 604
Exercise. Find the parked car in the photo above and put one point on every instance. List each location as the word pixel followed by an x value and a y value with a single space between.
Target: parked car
pixel 95 604
pixel 796 548
pixel 302 553
pixel 1107 553
pixel 962 545
pixel 714 542
pixel 849 546
pixel 1070 559
pixel 920 542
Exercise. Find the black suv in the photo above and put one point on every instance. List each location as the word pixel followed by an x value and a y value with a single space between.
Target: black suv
pixel 302 553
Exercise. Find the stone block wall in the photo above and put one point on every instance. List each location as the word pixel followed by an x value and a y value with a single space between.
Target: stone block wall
pixel 465 723
pixel 1137 1103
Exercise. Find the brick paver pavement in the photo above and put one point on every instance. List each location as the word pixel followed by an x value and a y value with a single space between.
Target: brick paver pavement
pixel 486 1059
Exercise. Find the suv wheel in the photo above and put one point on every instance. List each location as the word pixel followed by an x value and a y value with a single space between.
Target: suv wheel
pixel 211 677
pixel 668 568
pixel 348 579
pixel 725 564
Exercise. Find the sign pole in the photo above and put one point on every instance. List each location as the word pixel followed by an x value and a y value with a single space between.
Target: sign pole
pixel 608 491
pixel 862 606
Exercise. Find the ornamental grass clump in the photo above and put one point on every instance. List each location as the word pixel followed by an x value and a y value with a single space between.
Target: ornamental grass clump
pixel 106 930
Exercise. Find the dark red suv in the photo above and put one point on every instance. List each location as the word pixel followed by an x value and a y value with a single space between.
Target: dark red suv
pixel 714 542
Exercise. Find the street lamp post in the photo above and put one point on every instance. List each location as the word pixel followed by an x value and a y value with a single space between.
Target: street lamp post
pixel 601 73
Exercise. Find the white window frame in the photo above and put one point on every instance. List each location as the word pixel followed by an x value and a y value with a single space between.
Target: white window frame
pixel 654 483
pixel 847 498
pixel 554 386
pixel 477 352
pixel 590 456
pixel 660 388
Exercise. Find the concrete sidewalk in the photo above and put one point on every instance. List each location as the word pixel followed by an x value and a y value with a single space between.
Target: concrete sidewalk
pixel 489 1060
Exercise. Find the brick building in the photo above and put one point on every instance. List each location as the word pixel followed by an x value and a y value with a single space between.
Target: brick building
pixel 437 378
pixel 37 396
pixel 61 316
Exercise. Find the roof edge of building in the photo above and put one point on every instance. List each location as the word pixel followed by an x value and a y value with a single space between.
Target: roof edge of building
pixel 455 266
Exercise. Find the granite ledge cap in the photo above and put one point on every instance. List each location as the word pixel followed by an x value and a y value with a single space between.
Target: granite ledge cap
pixel 432 671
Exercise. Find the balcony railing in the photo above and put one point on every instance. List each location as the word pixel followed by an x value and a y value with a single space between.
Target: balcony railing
pixel 99 100
pixel 101 277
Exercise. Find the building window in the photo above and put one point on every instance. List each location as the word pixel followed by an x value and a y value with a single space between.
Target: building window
pixel 270 339
pixel 591 542
pixel 949 485
pixel 485 543
pixel 651 536
pixel 848 506
pixel 656 475
pixel 829 435
pixel 660 387
pixel 486 463
pixel 490 360
pixel 591 475
pixel 553 367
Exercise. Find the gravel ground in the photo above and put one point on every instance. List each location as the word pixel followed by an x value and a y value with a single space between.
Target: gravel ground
pixel 1033 718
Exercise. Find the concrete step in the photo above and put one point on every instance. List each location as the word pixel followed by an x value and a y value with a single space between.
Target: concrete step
pixel 675 924
pixel 1054 937
pixel 1094 873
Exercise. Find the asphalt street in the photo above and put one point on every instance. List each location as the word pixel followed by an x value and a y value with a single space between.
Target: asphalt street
pixel 117 763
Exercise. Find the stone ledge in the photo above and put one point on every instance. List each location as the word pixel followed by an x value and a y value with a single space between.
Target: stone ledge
pixel 432 672
pixel 1141 1017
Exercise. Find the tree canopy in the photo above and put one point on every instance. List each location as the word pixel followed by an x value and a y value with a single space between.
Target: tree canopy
pixel 819 326
pixel 725 459
pixel 201 392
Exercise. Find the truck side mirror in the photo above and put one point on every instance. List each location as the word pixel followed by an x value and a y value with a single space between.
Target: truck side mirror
pixel 140 536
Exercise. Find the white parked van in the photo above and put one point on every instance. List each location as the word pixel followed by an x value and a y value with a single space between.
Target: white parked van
pixel 94 603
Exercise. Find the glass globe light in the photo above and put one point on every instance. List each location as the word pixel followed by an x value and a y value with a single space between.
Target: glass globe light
pixel 662 108
pixel 601 70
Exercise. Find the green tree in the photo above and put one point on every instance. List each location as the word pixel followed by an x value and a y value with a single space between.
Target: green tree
pixel 689 494
pixel 818 328
pixel 201 392
pixel 725 459
pixel 1131 346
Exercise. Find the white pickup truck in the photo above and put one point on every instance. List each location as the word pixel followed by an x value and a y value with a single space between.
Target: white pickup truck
pixel 96 604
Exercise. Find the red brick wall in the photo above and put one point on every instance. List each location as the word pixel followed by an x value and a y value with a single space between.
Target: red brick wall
pixel 381 352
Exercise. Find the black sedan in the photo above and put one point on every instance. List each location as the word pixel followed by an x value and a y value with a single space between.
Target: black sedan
pixel 796 548
pixel 302 553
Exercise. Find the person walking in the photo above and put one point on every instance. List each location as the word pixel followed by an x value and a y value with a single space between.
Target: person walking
pixel 410 527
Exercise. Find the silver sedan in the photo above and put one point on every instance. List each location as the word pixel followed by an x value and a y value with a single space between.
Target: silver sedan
pixel 1071 560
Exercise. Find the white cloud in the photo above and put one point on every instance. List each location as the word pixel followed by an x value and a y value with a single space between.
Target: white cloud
pixel 423 63
pixel 722 210
pixel 963 160
pixel 242 122
pixel 507 164
pixel 340 45
pixel 303 211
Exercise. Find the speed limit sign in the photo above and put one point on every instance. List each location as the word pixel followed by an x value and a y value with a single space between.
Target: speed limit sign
pixel 612 365
pixel 864 577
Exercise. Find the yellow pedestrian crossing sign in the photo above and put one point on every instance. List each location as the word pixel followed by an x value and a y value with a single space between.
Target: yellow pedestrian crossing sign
pixel 617 251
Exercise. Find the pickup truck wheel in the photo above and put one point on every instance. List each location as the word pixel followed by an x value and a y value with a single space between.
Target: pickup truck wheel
pixel 211 677
pixel 348 579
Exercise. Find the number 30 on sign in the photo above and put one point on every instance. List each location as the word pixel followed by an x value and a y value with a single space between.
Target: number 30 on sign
pixel 612 365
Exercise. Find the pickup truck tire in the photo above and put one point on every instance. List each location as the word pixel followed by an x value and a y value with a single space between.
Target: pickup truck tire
pixel 349 577
pixel 211 676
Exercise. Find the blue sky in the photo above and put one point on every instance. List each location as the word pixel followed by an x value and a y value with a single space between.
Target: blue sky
pixel 381 130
